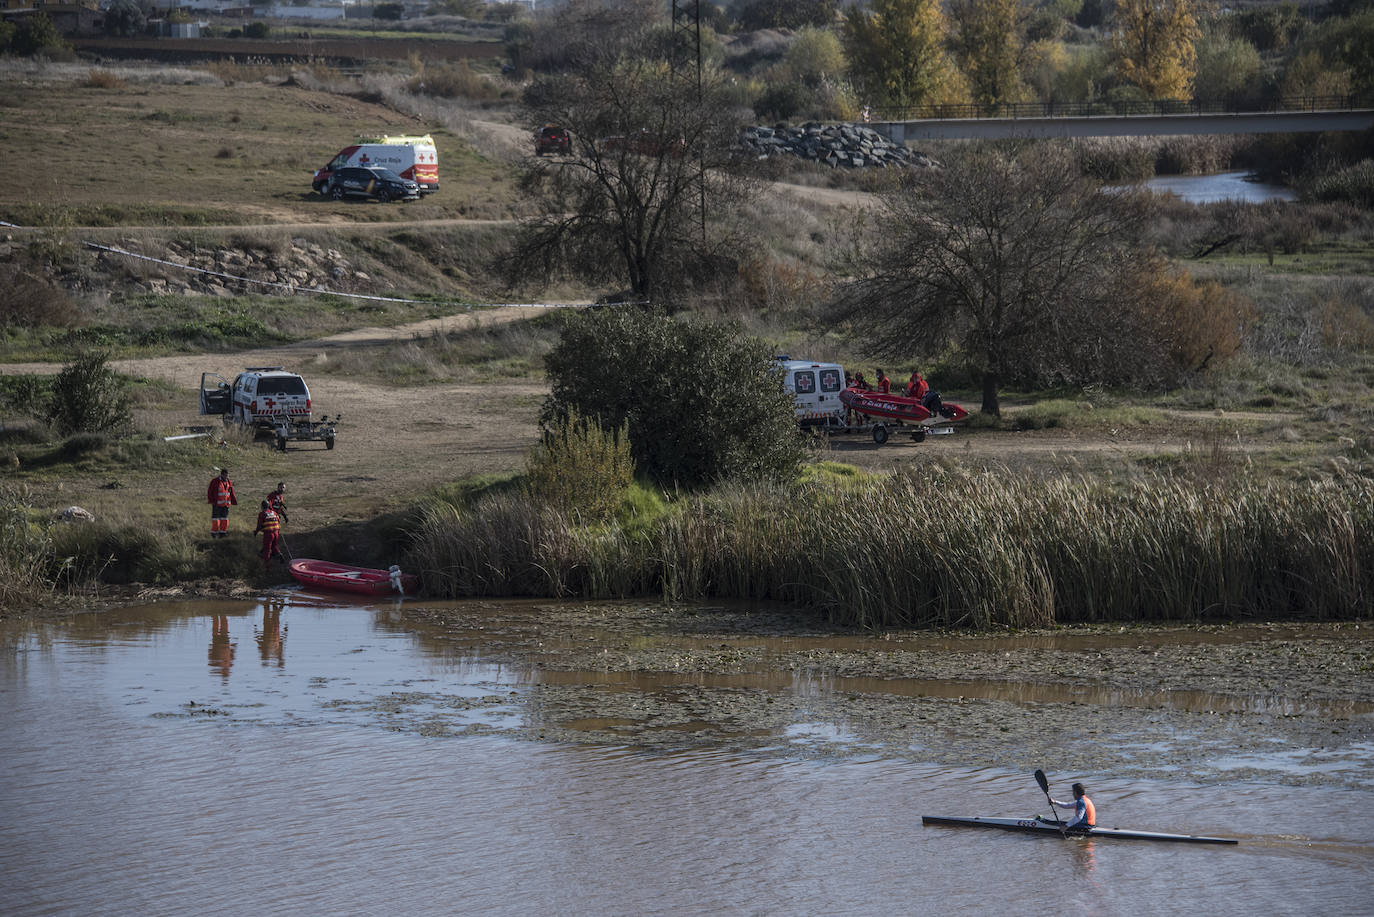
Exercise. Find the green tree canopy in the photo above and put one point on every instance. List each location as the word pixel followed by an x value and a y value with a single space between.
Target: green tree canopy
pixel 1153 46
pixel 990 47
pixel 896 51
pixel 702 401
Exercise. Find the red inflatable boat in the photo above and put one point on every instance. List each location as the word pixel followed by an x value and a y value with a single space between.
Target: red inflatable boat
pixel 899 407
pixel 345 578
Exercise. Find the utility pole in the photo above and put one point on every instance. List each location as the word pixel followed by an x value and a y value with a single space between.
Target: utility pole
pixel 686 66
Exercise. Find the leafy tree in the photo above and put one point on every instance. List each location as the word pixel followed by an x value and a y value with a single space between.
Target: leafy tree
pixel 989 44
pixel 1227 67
pixel 651 151
pixel 1005 253
pixel 1153 45
pixel 1309 74
pixel 36 34
pixel 1269 28
pixel 814 57
pixel 89 397
pixel 896 52
pixel 702 401
pixel 390 11
pixel 256 29
pixel 126 18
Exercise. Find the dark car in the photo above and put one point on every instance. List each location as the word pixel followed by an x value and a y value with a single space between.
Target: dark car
pixel 383 184
pixel 552 139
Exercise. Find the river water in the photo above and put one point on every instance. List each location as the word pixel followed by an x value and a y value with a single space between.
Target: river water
pixel 244 758
pixel 1219 186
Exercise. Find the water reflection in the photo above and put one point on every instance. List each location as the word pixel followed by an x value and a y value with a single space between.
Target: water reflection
pixel 271 635
pixel 221 647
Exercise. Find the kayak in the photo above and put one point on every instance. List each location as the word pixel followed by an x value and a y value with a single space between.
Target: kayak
pixel 346 578
pixel 1036 826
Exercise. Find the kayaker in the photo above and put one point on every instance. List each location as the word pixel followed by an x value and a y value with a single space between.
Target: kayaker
pixel 884 384
pixel 270 526
pixel 220 495
pixel 277 500
pixel 916 387
pixel 1084 814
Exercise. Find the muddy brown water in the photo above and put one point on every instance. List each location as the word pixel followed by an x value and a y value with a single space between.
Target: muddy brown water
pixel 300 755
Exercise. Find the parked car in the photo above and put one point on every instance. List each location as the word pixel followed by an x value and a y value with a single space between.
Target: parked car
pixel 383 184
pixel 552 139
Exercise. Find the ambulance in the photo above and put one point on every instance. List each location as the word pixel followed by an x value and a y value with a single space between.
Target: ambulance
pixel 815 389
pixel 409 157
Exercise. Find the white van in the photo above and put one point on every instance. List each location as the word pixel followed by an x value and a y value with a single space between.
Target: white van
pixel 409 157
pixel 815 387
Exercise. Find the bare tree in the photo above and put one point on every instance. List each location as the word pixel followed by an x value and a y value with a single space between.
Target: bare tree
pixel 648 196
pixel 1005 253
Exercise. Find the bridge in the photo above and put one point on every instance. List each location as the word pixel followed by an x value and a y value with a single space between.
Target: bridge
pixel 1124 119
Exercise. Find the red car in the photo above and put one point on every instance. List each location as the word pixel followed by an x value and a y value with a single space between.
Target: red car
pixel 552 139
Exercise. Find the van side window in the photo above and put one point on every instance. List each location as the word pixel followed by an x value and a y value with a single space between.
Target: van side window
pixel 830 380
pixel 804 382
pixel 338 162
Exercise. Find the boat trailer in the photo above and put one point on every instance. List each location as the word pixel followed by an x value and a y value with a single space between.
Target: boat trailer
pixel 882 429
pixel 287 429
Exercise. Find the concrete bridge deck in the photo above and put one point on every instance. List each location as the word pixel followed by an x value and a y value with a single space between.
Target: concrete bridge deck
pixel 1280 122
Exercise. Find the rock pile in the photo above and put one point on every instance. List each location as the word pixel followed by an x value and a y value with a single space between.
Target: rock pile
pixel 301 264
pixel 849 145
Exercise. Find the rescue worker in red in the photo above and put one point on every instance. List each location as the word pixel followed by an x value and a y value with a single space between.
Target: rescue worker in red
pixel 220 496
pixel 277 500
pixel 916 387
pixel 270 527
pixel 884 384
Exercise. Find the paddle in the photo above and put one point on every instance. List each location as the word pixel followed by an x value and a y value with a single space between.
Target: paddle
pixel 1045 788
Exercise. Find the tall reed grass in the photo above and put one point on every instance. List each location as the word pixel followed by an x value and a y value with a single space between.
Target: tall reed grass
pixel 943 549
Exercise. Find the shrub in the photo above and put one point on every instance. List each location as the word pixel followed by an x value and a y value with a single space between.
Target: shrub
pixel 581 468
pixel 104 79
pixel 1354 185
pixel 256 30
pixel 89 397
pixel 24 549
pixel 30 300
pixel 453 81
pixel 701 401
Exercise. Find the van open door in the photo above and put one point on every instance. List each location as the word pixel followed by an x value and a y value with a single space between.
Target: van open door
pixel 216 397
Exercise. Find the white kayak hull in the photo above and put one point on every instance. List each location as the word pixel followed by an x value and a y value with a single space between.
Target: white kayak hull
pixel 1035 826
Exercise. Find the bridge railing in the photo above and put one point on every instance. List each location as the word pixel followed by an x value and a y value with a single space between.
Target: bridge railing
pixel 1121 108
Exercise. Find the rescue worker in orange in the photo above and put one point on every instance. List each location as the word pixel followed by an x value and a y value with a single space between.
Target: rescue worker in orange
pixel 1084 814
pixel 270 527
pixel 277 500
pixel 884 384
pixel 916 387
pixel 220 495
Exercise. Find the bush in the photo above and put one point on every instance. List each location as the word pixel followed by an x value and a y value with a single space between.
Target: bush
pixel 1354 185
pixel 701 401
pixel 30 300
pixel 89 397
pixel 581 468
pixel 24 550
pixel 256 30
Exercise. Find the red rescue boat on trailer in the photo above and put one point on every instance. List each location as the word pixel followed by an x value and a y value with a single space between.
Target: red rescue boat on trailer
pixel 899 407
pixel 323 574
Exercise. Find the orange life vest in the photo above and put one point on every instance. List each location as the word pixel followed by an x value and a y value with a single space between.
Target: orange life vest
pixel 1090 813
pixel 223 492
pixel 271 524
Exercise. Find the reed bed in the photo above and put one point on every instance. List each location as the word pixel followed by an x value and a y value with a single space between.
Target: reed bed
pixel 948 548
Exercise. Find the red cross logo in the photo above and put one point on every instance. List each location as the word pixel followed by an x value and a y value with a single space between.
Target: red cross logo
pixel 271 403
pixel 364 158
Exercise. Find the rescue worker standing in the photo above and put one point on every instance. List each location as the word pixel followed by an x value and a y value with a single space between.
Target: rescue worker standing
pixel 270 527
pixel 916 387
pixel 220 495
pixel 884 384
pixel 277 500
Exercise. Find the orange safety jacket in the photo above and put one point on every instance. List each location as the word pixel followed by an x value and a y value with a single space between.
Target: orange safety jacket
pixel 268 523
pixel 1090 813
pixel 221 493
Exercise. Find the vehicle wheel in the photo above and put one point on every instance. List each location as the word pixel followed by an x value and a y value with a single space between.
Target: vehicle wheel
pixel 880 434
pixel 318 189
pixel 383 195
pixel 919 436
pixel 329 443
pixel 337 192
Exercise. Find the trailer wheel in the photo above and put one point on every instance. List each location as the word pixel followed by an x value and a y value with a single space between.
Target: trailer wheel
pixel 919 436
pixel 880 434
pixel 329 443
